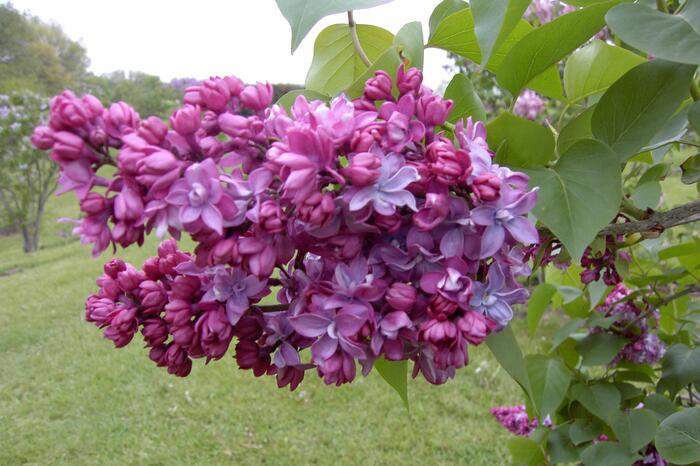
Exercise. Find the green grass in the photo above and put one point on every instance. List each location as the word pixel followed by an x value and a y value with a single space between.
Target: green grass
pixel 68 397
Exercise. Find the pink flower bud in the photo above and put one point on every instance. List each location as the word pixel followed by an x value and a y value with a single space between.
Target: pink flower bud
pixel 214 94
pixel 94 204
pixel 363 169
pixel 235 125
pixel 271 218
pixel 128 205
pixel 98 137
pixel 590 275
pixel 475 327
pixel 379 87
pixel 98 309
pixel 113 267
pixel 120 118
pixel 235 85
pixel 409 81
pixel 388 223
pixel 42 138
pixel 432 109
pixel 152 269
pixel 186 120
pixel 224 252
pixel 487 187
pixel 122 326
pixel 67 146
pixel 401 296
pixel 317 208
pixel 93 105
pixel 257 97
pixel 130 279
pixel 153 130
pixel 155 332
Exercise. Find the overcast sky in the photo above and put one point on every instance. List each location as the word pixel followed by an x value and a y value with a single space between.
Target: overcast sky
pixel 248 38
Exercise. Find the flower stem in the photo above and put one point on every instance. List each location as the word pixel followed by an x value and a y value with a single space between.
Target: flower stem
pixel 356 40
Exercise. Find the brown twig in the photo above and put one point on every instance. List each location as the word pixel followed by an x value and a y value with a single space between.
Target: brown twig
pixel 657 222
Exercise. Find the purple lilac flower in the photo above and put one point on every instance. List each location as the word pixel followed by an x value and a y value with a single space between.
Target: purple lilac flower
pixel 494 298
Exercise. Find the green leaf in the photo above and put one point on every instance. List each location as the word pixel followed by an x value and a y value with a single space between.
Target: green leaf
pixel 565 331
pixel 287 100
pixel 681 366
pixel 598 349
pixel 646 195
pixel 539 300
pixel 584 430
pixel 466 102
pixel 660 406
pixel 507 352
pixel 548 44
pixel 494 20
pixel 580 195
pixel 602 400
pixel 678 438
pixel 559 446
pixel 595 67
pixel 575 130
pixel 634 429
pixel 694 116
pixel 671 37
pixel 336 65
pixel 395 373
pixel 639 104
pixel 409 42
pixel 520 142
pixel 607 454
pixel 455 33
pixel 443 10
pixel 303 14
pixel 691 169
pixel 549 381
pixel 525 452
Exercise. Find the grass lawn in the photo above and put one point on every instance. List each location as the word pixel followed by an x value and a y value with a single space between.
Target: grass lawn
pixel 68 397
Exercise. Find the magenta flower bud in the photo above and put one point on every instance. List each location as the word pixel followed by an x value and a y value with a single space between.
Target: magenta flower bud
pixel 210 122
pixel 211 147
pixel 120 118
pixel 487 187
pixel 224 252
pixel 183 335
pixel 235 125
pixel 215 332
pixel 178 312
pixel 388 223
pixel 432 109
pixel 271 218
pixel 98 309
pixel 113 267
pixel 257 97
pixel 67 111
pixel 449 165
pixel 363 169
pixel 186 120
pixel 379 87
pixel 93 105
pixel 590 275
pixel 441 307
pixel 214 94
pixel 42 138
pixel 130 279
pixel 475 327
pixel 364 105
pixel 152 294
pixel 153 130
pixel 178 362
pixel 317 208
pixel 235 85
pixel 401 296
pixel 157 355
pixel 408 81
pixel 128 205
pixel 122 326
pixel 155 332
pixel 67 146
pixel 167 247
pixel 151 268
pixel 98 137
pixel 184 287
pixel 94 204
pixel 251 356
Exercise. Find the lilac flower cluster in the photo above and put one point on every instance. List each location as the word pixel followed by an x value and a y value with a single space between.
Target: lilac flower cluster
pixel 603 263
pixel 528 105
pixel 516 419
pixel 383 236
pixel 633 322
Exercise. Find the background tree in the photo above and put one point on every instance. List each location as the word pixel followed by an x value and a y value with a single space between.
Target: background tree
pixel 27 176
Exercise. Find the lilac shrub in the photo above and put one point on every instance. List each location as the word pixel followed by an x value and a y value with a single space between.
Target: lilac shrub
pixel 378 235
